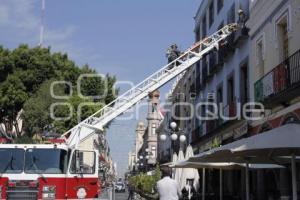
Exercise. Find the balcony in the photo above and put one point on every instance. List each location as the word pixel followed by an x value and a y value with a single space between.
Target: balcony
pixel 228 47
pixel 281 84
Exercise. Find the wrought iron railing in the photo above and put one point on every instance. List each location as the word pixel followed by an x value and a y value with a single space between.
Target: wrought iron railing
pixel 284 76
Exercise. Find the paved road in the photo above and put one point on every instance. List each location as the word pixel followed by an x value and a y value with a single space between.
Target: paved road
pixel 118 196
pixel 121 196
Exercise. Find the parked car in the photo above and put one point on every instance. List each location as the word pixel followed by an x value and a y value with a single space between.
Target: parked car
pixel 120 187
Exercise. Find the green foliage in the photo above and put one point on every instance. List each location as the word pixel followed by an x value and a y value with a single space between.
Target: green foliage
pixel 145 183
pixel 216 143
pixel 25 78
pixel 36 113
pixel 77 104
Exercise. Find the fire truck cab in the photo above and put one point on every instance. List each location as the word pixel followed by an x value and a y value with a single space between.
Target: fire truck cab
pixel 48 171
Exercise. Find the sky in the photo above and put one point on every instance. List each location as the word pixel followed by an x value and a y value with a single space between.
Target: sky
pixel 125 38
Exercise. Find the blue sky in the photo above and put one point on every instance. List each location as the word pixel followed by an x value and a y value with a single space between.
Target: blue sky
pixel 126 38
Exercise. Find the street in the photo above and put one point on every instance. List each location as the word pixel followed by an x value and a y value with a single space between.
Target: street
pixel 121 196
pixel 118 196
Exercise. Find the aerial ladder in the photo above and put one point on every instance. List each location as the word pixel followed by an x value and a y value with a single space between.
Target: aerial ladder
pixel 102 117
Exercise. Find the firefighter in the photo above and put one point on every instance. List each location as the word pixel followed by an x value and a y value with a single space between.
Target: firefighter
pixel 173 53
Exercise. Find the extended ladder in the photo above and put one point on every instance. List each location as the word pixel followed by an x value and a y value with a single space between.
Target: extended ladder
pixel 124 102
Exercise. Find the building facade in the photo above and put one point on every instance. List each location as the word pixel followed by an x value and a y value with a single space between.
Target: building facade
pixel 222 77
pixel 146 144
pixel 275 70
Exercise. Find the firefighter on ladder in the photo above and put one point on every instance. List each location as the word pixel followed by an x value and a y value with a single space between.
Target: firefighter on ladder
pixel 172 54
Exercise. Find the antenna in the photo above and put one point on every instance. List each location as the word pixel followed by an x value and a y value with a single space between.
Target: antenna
pixel 42 24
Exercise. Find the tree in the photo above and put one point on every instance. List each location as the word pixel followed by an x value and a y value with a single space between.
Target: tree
pixel 12 97
pixel 82 108
pixel 36 114
pixel 24 76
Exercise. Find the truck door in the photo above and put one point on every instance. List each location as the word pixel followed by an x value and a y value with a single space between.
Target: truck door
pixel 82 179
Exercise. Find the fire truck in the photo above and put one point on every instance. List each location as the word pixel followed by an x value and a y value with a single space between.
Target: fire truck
pixel 68 171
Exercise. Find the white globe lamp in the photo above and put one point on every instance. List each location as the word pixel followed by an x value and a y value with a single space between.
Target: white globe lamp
pixel 163 137
pixel 173 125
pixel 174 137
pixel 182 138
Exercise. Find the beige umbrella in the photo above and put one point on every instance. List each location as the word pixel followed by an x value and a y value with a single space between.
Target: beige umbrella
pixel 178 171
pixel 189 173
pixel 174 160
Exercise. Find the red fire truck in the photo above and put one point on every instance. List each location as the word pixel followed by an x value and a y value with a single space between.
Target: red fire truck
pixel 44 171
pixel 68 171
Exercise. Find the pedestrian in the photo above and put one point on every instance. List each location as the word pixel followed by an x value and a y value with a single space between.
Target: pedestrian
pixel 130 192
pixel 189 192
pixel 168 189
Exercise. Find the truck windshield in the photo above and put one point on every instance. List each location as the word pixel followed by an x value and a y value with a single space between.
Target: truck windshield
pixel 45 161
pixel 11 160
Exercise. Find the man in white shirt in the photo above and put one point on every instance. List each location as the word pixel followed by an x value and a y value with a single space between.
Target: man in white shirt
pixel 168 189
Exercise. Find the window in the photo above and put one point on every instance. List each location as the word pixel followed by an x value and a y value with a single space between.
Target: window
pixel 211 13
pixel 204 32
pixel 154 107
pixel 12 160
pixel 83 162
pixel 220 5
pixel 153 152
pixel 282 36
pixel 260 56
pixel 153 129
pixel 230 89
pixel 231 15
pixel 220 94
pixel 46 161
pixel 244 83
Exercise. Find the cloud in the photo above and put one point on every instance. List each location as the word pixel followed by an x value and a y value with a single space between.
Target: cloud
pixel 18 14
pixel 60 35
pixel 20 19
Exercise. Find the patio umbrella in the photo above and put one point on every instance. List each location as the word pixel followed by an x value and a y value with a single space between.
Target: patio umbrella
pixel 272 146
pixel 178 171
pixel 189 173
pixel 224 166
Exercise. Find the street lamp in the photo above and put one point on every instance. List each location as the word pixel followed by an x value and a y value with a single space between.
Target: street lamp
pixel 173 125
pixel 163 137
pixel 182 138
pixel 174 136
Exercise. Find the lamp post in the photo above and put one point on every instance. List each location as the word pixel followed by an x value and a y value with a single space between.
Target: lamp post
pixel 174 133
pixel 145 157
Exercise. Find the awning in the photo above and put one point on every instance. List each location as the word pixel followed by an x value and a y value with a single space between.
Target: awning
pixel 272 146
pixel 268 147
pixel 223 165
